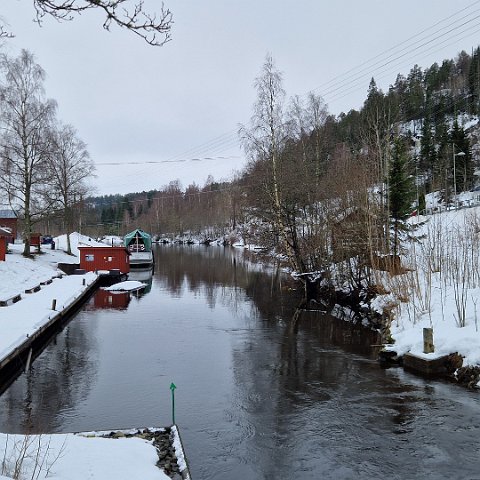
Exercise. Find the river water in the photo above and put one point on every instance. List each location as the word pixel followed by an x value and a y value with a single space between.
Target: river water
pixel 258 395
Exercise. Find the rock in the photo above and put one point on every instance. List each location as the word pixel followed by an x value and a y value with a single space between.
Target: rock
pixel 468 376
pixel 453 362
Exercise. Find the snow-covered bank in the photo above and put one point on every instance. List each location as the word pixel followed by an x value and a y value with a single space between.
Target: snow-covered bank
pixel 439 289
pixel 24 318
pixel 68 456
pixel 78 456
pixel 21 320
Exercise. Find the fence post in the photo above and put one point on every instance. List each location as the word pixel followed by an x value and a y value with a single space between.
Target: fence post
pixel 428 346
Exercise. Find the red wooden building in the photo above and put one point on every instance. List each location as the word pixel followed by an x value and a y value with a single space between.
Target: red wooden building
pixel 9 220
pixel 3 248
pixel 95 259
pixel 35 240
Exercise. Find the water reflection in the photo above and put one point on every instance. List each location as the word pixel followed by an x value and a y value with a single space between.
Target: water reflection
pixel 264 391
pixel 144 275
pixel 59 379
pixel 111 299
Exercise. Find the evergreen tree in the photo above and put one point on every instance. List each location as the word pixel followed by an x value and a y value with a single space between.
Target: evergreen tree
pixel 443 167
pixel 401 192
pixel 428 153
pixel 464 168
pixel 415 94
pixel 474 82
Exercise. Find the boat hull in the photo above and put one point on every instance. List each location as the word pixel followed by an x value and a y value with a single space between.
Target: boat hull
pixel 141 259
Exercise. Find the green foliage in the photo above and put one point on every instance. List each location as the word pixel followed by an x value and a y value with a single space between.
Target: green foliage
pixel 474 82
pixel 464 168
pixel 401 188
pixel 401 192
pixel 422 204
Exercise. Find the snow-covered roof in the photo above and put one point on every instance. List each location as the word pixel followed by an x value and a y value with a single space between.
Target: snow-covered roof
pixel 7 214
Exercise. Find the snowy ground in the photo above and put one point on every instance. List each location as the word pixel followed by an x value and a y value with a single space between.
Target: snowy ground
pixel 78 457
pixel 441 287
pixel 86 455
pixel 61 456
pixel 34 310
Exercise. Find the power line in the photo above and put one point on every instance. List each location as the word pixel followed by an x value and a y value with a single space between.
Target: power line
pixel 351 82
pixel 367 62
pixel 183 160
pixel 354 78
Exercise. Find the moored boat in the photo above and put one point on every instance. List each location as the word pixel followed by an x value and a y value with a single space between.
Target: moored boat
pixel 139 245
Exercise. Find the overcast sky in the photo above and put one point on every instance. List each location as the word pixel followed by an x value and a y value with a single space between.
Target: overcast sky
pixel 181 104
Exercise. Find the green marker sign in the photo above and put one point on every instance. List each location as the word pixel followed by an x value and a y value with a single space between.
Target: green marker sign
pixel 172 388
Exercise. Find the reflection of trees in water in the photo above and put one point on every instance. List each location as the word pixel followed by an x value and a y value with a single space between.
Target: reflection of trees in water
pixel 286 379
pixel 299 379
pixel 220 274
pixel 59 378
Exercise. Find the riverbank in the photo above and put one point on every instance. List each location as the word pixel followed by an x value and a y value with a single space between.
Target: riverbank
pixel 438 288
pixel 37 295
pixel 436 285
pixel 149 454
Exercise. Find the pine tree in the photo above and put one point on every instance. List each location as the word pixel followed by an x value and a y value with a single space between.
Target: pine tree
pixel 428 154
pixel 474 82
pixel 464 168
pixel 401 192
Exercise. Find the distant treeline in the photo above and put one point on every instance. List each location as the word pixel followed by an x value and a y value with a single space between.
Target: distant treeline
pixel 428 109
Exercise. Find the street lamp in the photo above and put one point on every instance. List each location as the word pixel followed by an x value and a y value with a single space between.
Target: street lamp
pixel 459 154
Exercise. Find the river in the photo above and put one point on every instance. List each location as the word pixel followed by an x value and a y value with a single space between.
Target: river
pixel 258 397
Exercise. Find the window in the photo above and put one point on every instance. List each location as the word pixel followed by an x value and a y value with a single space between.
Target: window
pixel 89 258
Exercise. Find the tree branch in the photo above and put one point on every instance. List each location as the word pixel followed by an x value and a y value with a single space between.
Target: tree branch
pixel 153 28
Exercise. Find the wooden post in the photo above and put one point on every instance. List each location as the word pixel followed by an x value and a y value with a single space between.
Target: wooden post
pixel 428 346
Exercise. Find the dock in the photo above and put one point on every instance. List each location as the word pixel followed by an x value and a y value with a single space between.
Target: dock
pixel 48 316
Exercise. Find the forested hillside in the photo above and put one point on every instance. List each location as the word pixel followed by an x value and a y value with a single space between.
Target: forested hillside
pixel 308 168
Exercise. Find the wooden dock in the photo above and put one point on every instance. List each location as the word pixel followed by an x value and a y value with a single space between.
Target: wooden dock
pixel 21 357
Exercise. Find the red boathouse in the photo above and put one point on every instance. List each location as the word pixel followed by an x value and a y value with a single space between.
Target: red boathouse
pixel 95 259
pixel 3 248
pixel 8 219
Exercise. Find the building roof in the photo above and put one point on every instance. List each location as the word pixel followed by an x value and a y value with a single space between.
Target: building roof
pixel 7 214
pixel 138 236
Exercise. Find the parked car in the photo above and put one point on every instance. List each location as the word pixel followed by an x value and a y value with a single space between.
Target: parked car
pixel 47 240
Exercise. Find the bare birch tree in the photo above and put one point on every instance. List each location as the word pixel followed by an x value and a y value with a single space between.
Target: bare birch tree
pixel 25 116
pixel 264 141
pixel 70 167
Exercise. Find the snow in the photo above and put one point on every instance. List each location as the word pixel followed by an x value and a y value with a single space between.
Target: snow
pixel 77 457
pixel 63 456
pixel 112 240
pixel 34 310
pixel 440 288
pixel 177 445
pixel 76 240
pixel 126 286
